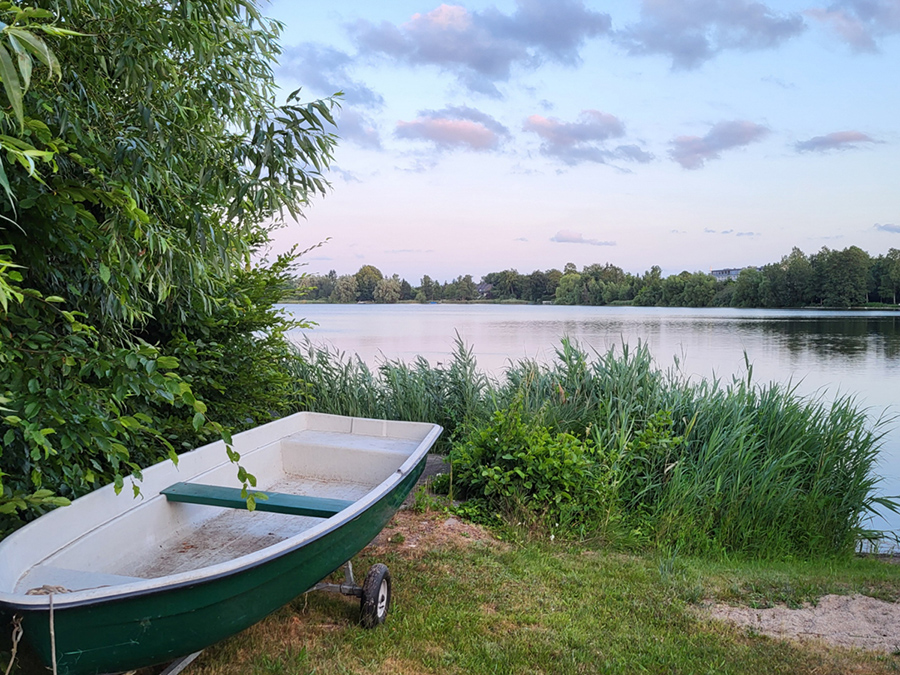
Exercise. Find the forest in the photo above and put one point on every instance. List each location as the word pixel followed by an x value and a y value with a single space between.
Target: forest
pixel 828 278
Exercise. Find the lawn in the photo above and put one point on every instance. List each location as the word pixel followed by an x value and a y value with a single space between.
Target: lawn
pixel 465 601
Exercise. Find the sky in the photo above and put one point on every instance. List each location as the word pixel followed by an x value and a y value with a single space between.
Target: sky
pixel 527 134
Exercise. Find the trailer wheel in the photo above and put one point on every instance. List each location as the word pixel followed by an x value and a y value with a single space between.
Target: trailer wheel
pixel 376 596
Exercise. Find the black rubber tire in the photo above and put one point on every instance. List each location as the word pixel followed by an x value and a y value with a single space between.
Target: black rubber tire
pixel 376 596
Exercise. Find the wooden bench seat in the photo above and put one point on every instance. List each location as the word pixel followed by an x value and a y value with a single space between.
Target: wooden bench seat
pixel 277 502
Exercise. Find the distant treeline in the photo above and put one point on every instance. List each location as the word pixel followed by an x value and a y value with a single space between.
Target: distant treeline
pixel 829 278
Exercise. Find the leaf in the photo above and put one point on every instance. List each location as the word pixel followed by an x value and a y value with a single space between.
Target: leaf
pixel 104 273
pixel 167 362
pixel 39 48
pixel 198 421
pixel 23 59
pixel 11 85
pixel 4 182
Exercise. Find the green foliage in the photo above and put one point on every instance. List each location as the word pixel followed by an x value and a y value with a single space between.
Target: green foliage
pixel 608 446
pixel 514 461
pixel 141 173
pixel 76 415
pixel 838 279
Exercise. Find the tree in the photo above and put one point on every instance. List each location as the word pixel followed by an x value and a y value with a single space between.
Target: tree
pixel 650 291
pixel 699 290
pixel 345 289
pixel 843 276
pixel 387 290
pixel 426 290
pixel 746 288
pixel 367 278
pixel 568 292
pixel 406 291
pixel 889 279
pixel 798 279
pixel 139 178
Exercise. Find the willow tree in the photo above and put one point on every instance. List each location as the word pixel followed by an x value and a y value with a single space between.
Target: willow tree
pixel 144 163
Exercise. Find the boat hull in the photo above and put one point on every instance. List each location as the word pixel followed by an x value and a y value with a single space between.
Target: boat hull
pixel 146 626
pixel 146 629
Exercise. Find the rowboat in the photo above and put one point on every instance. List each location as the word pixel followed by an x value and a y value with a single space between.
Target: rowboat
pixel 113 583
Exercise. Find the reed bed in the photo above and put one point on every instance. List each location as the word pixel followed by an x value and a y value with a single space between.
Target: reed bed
pixel 607 445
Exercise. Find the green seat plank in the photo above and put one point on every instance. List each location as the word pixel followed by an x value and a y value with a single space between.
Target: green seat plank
pixel 277 502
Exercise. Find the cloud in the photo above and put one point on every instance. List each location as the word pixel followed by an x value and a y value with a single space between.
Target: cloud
pixel 397 251
pixel 481 48
pixel 582 141
pixel 346 176
pixel 453 127
pixel 839 140
pixel 888 227
pixel 860 23
pixel 570 237
pixel 736 234
pixel 324 69
pixel 692 152
pixel 778 82
pixel 355 126
pixel 691 32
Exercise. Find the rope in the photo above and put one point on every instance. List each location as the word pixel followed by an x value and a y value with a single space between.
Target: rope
pixel 16 636
pixel 52 637
pixel 49 590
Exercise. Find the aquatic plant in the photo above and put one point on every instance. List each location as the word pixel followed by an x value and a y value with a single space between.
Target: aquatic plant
pixel 608 445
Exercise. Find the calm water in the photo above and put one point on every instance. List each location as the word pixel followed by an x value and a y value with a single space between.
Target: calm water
pixel 836 352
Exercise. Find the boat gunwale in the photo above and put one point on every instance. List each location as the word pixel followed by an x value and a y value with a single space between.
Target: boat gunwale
pixel 112 593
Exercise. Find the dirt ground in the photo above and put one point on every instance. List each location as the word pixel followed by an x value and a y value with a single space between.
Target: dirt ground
pixel 413 534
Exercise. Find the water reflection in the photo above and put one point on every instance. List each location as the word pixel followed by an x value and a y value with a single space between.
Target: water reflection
pixel 851 338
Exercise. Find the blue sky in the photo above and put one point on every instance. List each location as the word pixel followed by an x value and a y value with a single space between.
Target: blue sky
pixel 690 134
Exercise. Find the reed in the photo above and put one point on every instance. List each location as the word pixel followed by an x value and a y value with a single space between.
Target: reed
pixel 706 466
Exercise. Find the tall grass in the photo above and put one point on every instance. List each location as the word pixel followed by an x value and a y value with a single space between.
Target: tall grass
pixel 706 466
pixel 454 396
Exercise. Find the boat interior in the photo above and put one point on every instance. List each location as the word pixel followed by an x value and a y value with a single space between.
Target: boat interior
pixel 117 540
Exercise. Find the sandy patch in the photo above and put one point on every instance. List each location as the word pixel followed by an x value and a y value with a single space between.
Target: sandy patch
pixel 840 620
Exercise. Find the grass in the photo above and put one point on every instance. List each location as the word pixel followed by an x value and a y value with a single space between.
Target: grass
pixel 483 607
pixel 710 467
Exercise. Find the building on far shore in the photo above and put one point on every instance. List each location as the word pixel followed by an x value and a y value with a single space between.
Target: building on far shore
pixel 730 272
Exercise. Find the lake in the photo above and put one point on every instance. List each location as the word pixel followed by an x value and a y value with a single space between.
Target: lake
pixel 822 351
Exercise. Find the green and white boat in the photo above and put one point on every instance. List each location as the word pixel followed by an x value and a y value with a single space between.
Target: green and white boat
pixel 111 583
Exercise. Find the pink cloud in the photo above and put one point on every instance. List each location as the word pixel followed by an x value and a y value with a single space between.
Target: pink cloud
pixel 838 140
pixel 449 133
